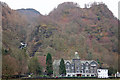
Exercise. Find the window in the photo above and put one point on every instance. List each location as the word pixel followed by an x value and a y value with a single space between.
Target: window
pixel 91 67
pixel 72 71
pixel 86 67
pixel 67 65
pixel 82 67
pixel 99 71
pixel 68 75
pixel 73 75
pixel 81 71
pixel 87 71
pixel 83 75
pixel 77 71
pixel 72 67
pixel 92 75
pixel 67 71
pixel 77 67
pixel 92 71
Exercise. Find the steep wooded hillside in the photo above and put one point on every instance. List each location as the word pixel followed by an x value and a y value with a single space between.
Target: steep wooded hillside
pixel 14 31
pixel 92 32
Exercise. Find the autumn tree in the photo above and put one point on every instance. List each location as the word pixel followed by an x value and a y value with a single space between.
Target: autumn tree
pixel 49 67
pixel 34 66
pixel 22 58
pixel 62 69
pixel 9 66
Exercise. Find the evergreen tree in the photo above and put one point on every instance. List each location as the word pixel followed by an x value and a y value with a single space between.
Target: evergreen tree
pixel 62 69
pixel 49 67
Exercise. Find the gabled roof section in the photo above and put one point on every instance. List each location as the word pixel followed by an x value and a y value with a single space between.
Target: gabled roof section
pixel 88 61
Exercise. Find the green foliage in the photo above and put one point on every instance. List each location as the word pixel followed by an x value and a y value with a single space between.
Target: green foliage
pixel 98 18
pixel 4 51
pixel 90 56
pixel 62 69
pixel 34 66
pixel 111 71
pixel 49 67
pixel 100 63
pixel 22 59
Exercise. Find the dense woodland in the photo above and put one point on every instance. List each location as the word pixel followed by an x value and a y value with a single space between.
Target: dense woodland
pixel 91 31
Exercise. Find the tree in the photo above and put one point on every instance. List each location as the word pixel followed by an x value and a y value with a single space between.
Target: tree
pixel 22 61
pixel 34 66
pixel 62 69
pixel 100 64
pixel 111 71
pixel 89 56
pixel 9 66
pixel 49 67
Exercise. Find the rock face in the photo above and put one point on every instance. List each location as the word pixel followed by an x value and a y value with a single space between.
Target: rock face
pixel 92 32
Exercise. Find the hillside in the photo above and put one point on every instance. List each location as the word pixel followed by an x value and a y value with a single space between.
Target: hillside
pixel 31 14
pixel 92 32
pixel 14 31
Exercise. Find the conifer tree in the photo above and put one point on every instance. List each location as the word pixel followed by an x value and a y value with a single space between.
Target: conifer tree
pixel 62 69
pixel 49 67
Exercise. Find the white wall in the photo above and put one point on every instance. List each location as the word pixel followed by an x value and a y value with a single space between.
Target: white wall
pixel 102 73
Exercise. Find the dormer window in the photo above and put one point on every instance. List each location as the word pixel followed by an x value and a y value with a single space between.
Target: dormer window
pixel 67 65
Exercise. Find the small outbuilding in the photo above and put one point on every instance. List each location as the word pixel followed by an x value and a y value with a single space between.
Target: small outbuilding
pixel 102 73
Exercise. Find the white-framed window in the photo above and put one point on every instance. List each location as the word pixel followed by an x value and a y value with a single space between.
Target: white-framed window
pixel 67 65
pixel 78 71
pixel 87 71
pixel 72 67
pixel 92 67
pixel 82 67
pixel 81 71
pixel 77 67
pixel 86 67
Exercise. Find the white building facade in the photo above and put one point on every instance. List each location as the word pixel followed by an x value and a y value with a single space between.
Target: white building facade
pixel 77 67
pixel 102 73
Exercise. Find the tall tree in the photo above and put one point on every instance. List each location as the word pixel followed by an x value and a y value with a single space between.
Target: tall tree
pixel 49 67
pixel 34 66
pixel 62 69
pixel 22 61
pixel 111 71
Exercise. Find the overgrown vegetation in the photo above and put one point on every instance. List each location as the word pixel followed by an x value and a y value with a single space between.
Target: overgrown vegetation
pixel 34 66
